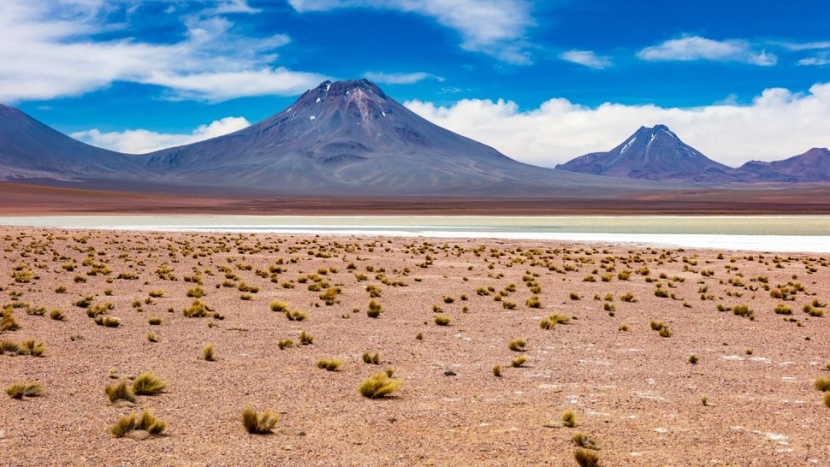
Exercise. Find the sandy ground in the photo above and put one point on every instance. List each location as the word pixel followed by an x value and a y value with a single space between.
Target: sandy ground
pixel 633 392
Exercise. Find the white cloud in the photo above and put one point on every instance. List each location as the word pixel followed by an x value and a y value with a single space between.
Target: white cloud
pixel 399 78
pixel 47 51
pixel 777 124
pixel 821 59
pixel 692 48
pixel 144 141
pixel 586 58
pixel 494 27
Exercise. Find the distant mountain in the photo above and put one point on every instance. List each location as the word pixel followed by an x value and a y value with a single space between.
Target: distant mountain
pixel 31 150
pixel 344 138
pixel 349 137
pixel 812 166
pixel 653 154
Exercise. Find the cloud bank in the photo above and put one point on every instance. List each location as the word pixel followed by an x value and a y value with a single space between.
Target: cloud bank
pixel 778 123
pixel 144 141
pixel 48 51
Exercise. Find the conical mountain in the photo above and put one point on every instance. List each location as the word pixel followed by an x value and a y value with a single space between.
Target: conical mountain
pixel 349 137
pixel 654 153
pixel 31 150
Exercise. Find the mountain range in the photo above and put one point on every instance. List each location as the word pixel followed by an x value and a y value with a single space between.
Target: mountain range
pixel 349 138
pixel 658 154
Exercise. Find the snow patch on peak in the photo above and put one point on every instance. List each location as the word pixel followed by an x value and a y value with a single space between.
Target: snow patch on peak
pixel 628 144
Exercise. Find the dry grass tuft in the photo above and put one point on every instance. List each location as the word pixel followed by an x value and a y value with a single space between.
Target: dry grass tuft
pixel 132 422
pixel 119 391
pixel 148 384
pixel 258 423
pixel 379 385
pixel 21 390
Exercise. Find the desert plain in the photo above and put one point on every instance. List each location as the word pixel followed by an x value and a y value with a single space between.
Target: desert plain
pixel 663 357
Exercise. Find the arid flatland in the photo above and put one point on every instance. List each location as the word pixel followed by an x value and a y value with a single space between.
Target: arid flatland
pixel 664 357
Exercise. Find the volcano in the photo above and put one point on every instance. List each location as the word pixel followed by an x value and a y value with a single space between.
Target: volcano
pixel 31 150
pixel 654 153
pixel 350 138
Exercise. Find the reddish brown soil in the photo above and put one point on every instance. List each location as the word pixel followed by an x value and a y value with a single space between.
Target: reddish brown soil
pixel 20 199
pixel 633 391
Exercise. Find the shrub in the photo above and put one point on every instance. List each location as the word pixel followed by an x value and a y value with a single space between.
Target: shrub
pixel 197 309
pixel 574 296
pixel 119 391
pixel 196 292
pixel 152 337
pixel 661 293
pixel 328 365
pixel 822 383
pixel 628 297
pixel 208 353
pixel 30 347
pixel 144 422
pixel 295 315
pixel 10 347
pixel 258 423
pixel 743 310
pixel 517 345
pixel 154 321
pixel 57 315
pixel 8 323
pixel 21 390
pixel 371 359
pixel 379 385
pixel 815 312
pixel 148 384
pixel 827 399
pixel 569 419
pixel 280 307
pixel 534 302
pixel 374 309
pixel 782 309
pixel 693 359
pixel 517 362
pixel 306 338
pixel 584 441
pixel 108 321
pixel 442 320
pixel 586 458
pixel 61 289
pixel 285 344
pixel 497 370
pixel 156 293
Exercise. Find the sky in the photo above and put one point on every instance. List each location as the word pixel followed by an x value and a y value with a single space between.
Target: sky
pixel 542 81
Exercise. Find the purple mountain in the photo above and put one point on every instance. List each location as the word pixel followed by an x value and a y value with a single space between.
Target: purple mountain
pixel 349 137
pixel 812 166
pixel 31 150
pixel 653 154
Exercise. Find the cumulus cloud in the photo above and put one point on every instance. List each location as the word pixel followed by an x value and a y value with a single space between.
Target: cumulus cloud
pixel 776 124
pixel 692 48
pixel 494 27
pixel 586 58
pixel 48 50
pixel 143 141
pixel 400 78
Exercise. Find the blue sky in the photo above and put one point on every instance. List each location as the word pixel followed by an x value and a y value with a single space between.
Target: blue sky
pixel 566 77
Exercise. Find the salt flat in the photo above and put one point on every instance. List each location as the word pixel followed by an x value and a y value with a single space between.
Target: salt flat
pixel 808 234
